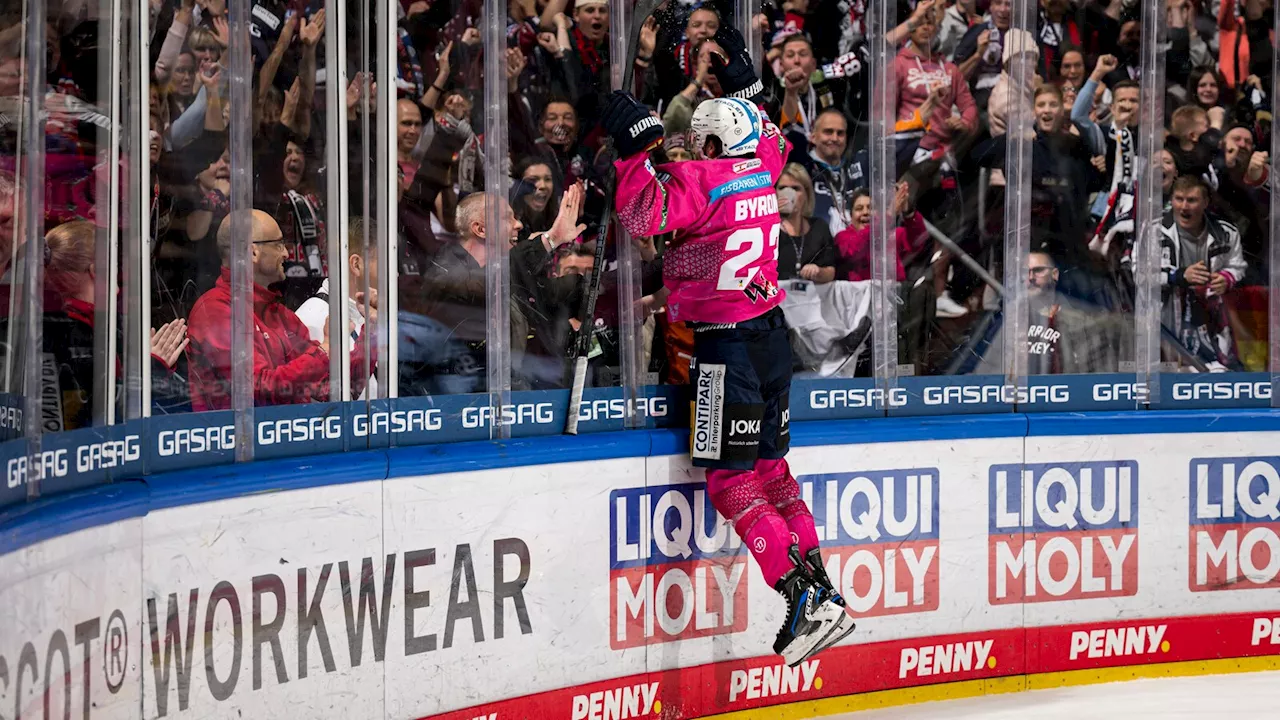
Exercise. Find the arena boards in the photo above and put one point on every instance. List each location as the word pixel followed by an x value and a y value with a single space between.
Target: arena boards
pixel 517 581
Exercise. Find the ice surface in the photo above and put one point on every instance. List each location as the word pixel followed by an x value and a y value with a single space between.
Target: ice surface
pixel 1237 696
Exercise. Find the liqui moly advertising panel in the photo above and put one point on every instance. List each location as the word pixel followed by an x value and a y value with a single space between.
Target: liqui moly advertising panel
pixel 1235 524
pixel 1062 531
pixel 676 569
pixel 879 533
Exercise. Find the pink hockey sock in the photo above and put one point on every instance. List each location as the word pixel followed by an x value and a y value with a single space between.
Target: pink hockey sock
pixel 737 495
pixel 782 490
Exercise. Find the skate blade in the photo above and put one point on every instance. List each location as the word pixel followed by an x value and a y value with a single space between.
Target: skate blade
pixel 844 627
pixel 801 647
pixel 841 629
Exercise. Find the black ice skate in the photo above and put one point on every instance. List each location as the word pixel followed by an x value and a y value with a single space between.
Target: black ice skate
pixel 811 617
pixel 812 564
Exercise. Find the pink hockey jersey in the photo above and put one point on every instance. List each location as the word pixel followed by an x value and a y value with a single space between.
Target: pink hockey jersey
pixel 722 264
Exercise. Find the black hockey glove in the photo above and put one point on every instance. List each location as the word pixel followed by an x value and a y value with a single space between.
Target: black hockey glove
pixel 630 124
pixel 734 69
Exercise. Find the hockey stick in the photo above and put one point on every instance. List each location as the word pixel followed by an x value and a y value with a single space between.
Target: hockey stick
pixel 587 311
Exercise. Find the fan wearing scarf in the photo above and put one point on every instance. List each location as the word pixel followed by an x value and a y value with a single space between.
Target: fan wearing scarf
pixel 1113 210
pixel 589 46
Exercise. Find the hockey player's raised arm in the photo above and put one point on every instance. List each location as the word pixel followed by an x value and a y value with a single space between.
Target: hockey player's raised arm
pixel 647 205
pixel 652 202
pixel 737 75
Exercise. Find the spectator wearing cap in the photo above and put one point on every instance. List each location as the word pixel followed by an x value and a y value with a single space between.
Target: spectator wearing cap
pixel 677 147
pixel 288 367
pixel 1009 89
pixel 1241 173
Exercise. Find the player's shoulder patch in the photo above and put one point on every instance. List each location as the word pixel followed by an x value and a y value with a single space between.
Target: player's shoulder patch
pixel 663 176
pixel 746 165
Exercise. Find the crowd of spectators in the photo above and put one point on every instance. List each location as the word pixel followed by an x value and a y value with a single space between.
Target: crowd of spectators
pixel 956 90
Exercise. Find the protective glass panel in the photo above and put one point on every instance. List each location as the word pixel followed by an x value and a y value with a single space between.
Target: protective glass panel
pixel 1214 235
pixel 1075 283
pixel 948 203
pixel 558 192
pixel 22 154
pixel 90 374
pixel 443 253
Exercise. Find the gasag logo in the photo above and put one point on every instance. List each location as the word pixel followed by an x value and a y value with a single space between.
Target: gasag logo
pixel 1235 524
pixel 879 533
pixel 774 681
pixel 676 569
pixel 1062 531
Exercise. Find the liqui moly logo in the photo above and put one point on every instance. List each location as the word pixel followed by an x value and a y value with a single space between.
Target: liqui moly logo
pixel 1063 531
pixel 622 703
pixel 1235 524
pixel 676 569
pixel 879 534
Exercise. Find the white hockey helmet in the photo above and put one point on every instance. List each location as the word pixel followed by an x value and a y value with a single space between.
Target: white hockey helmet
pixel 735 122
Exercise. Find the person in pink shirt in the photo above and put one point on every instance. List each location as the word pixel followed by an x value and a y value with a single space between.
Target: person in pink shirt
pixel 720 275
pixel 853 244
pixel 918 71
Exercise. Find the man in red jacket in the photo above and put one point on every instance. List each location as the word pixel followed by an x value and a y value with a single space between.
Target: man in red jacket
pixel 288 367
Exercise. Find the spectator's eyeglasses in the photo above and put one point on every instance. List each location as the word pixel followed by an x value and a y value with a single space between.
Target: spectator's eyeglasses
pixel 277 241
pixel 1039 270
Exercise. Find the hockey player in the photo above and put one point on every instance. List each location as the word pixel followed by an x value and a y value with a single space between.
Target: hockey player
pixel 720 275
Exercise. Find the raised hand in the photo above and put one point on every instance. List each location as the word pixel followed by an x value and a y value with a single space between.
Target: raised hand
pixel 310 33
pixel 732 65
pixel 566 228
pixel 170 341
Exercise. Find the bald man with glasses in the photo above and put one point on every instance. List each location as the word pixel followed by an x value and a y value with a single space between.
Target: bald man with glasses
pixel 288 367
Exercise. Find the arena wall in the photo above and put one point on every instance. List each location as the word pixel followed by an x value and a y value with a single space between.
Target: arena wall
pixel 590 579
